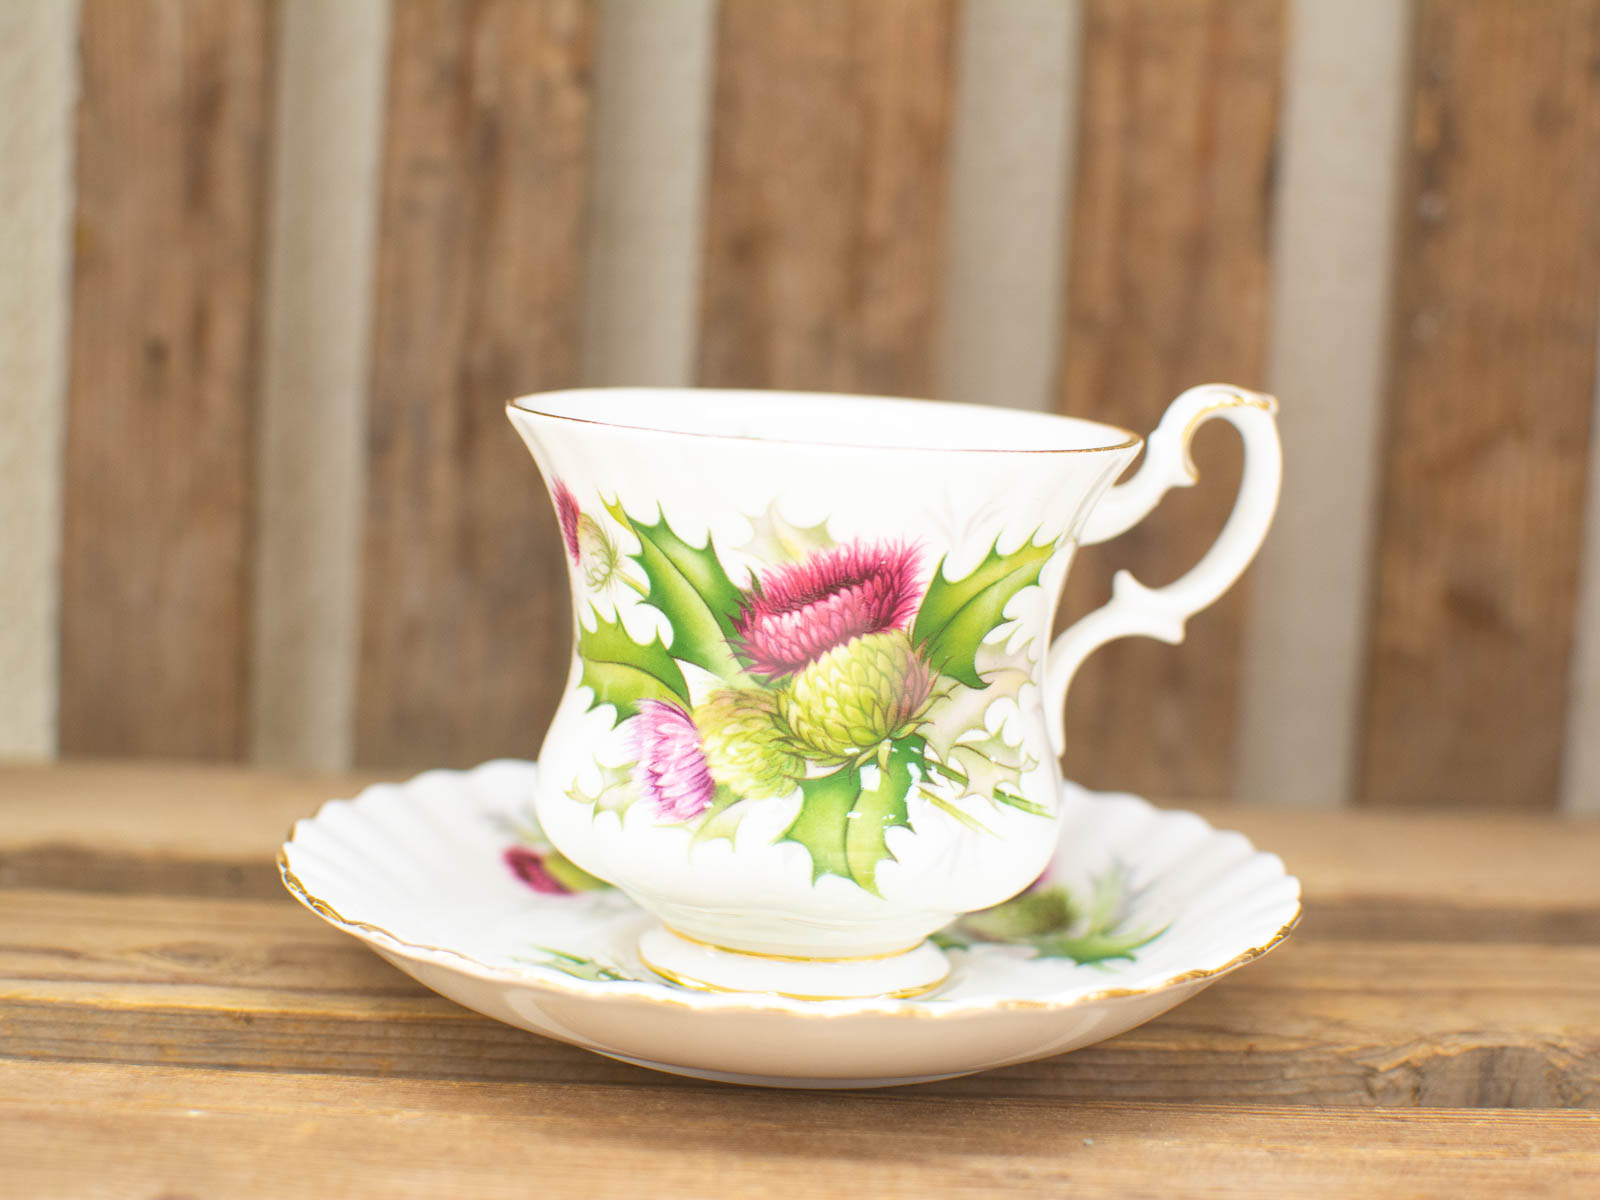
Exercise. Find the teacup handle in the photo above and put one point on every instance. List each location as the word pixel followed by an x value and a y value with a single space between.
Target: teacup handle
pixel 1161 612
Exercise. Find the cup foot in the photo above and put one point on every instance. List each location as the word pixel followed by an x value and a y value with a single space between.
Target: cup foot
pixel 708 968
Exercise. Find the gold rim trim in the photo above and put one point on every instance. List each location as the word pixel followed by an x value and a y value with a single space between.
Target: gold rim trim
pixel 792 958
pixel 329 913
pixel 484 971
pixel 701 985
pixel 1130 439
pixel 1239 399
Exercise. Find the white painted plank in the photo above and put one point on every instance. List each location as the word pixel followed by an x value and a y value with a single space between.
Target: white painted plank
pixel 1016 105
pixel 1580 775
pixel 653 82
pixel 38 93
pixel 311 465
pixel 1346 73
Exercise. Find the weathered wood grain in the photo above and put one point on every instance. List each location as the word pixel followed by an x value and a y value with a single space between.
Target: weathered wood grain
pixel 70 868
pixel 181 1044
pixel 1168 282
pixel 189 810
pixel 263 985
pixel 171 154
pixel 826 205
pixel 1489 408
pixel 108 1130
pixel 465 633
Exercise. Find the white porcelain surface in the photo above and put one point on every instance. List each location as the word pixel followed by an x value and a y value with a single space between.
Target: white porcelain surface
pixel 432 874
pixel 814 707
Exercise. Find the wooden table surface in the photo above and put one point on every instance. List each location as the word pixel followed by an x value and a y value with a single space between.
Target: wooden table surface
pixel 172 1024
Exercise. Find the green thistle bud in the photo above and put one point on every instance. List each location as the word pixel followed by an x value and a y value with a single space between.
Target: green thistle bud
pixel 746 747
pixel 843 705
pixel 597 552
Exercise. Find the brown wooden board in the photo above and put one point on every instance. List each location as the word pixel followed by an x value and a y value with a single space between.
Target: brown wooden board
pixel 1485 456
pixel 95 1129
pixel 1168 278
pixel 171 155
pixel 158 1041
pixel 826 208
pixel 258 984
pixel 465 622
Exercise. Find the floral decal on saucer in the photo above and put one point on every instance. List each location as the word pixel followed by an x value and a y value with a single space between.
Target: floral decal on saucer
pixel 1048 920
pixel 846 671
pixel 533 860
pixel 576 965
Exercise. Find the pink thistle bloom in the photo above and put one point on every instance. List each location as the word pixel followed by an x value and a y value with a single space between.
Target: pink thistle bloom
pixel 528 866
pixel 567 512
pixel 672 769
pixel 795 614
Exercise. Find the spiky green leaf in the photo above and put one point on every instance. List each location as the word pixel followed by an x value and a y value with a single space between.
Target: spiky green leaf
pixel 1053 925
pixel 956 615
pixel 621 672
pixel 878 810
pixel 1095 947
pixel 844 826
pixel 688 585
pixel 823 820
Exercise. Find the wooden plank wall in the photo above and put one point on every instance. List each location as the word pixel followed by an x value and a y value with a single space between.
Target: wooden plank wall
pixel 155 559
pixel 818 99
pixel 464 632
pixel 1168 284
pixel 840 186
pixel 1489 408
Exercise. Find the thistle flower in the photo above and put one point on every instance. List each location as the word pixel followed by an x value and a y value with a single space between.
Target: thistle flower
pixel 797 613
pixel 672 771
pixel 549 872
pixel 567 512
pixel 855 696
pixel 745 743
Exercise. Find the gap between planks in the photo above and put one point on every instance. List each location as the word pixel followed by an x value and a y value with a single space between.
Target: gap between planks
pixel 311 433
pixel 38 92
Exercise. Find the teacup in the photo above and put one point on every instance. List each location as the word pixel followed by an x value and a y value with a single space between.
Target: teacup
pixel 814 711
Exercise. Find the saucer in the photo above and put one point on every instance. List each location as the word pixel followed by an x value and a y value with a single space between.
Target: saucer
pixel 448 877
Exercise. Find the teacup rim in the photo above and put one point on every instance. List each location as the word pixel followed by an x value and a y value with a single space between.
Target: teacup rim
pixel 1129 440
